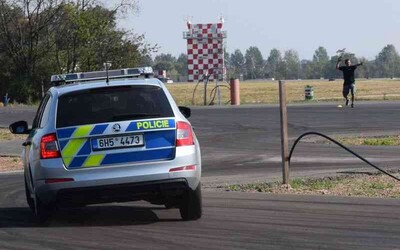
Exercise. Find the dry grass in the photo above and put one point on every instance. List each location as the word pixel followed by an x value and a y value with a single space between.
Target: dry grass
pixel 392 140
pixel 377 185
pixel 6 135
pixel 267 92
pixel 8 163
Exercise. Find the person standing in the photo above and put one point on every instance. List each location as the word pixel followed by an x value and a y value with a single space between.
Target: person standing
pixel 349 85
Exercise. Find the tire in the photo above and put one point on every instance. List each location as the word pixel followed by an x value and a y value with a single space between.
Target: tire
pixel 29 200
pixel 43 212
pixel 191 207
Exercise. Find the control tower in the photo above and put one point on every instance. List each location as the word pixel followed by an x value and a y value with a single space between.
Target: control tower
pixel 205 51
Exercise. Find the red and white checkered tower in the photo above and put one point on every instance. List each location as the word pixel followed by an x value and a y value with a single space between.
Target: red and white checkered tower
pixel 205 50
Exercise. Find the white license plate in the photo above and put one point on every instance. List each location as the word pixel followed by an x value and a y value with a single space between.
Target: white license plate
pixel 118 142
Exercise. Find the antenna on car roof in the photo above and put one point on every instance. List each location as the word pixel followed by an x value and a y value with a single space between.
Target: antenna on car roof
pixel 107 66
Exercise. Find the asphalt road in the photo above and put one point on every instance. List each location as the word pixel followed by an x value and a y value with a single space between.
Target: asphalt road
pixel 242 144
pixel 238 145
pixel 230 221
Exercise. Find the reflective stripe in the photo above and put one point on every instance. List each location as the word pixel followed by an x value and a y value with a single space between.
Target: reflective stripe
pixel 74 145
pixel 72 149
pixel 82 131
pixel 93 161
pixel 67 160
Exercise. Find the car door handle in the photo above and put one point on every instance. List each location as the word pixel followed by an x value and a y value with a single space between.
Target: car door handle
pixel 27 143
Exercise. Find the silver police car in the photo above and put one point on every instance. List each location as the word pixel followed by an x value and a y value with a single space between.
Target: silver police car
pixel 114 136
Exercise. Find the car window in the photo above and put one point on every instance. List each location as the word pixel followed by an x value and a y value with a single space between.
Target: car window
pixel 39 112
pixel 46 112
pixel 112 104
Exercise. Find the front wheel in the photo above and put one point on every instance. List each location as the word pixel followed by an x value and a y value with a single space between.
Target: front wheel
pixel 191 207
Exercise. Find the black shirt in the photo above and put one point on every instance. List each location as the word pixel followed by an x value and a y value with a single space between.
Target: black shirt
pixel 348 74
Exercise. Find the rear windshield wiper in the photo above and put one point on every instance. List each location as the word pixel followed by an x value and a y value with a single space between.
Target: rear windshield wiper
pixel 134 116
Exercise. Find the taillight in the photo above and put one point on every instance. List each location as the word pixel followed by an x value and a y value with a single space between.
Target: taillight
pixel 48 147
pixel 184 134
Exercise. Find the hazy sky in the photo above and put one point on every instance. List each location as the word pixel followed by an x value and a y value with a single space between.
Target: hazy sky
pixel 363 27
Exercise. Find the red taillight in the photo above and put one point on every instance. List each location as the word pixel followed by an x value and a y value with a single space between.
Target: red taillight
pixel 186 168
pixel 184 134
pixel 58 180
pixel 49 147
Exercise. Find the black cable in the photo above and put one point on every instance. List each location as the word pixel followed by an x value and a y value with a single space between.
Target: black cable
pixel 342 146
pixel 213 93
pixel 194 91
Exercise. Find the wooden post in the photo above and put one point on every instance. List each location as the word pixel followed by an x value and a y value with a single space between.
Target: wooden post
pixel 284 132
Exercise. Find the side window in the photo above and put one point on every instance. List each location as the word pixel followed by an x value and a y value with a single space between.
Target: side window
pixel 36 121
pixel 46 113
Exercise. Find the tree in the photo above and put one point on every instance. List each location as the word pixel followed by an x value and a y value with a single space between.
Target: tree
pixel 307 70
pixel 254 63
pixel 237 63
pixel 320 63
pixel 164 62
pixel 388 61
pixel 274 64
pixel 292 63
pixel 43 37
pixel 181 64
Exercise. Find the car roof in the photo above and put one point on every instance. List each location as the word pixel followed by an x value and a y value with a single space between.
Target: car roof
pixel 72 87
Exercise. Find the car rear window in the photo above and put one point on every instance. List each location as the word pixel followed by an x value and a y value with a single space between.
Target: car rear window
pixel 112 104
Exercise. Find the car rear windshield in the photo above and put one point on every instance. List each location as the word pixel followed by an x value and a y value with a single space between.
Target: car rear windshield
pixel 112 104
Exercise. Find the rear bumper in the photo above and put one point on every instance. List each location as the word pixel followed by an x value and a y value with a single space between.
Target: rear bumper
pixel 123 175
pixel 159 192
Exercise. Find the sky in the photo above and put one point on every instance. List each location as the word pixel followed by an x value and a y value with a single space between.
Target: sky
pixel 364 27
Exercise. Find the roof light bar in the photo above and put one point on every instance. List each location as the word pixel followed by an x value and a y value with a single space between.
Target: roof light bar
pixel 101 75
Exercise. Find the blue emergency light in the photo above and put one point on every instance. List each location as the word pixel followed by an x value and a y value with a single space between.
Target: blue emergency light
pixel 61 79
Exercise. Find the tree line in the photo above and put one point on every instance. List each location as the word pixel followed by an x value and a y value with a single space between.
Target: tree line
pixel 288 65
pixel 39 38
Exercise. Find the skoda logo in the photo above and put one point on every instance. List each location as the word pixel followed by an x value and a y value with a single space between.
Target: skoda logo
pixel 116 127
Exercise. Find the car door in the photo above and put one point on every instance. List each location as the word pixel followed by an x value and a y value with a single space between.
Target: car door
pixel 38 122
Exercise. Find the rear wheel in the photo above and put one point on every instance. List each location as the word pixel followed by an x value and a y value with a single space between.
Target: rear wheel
pixel 191 207
pixel 43 211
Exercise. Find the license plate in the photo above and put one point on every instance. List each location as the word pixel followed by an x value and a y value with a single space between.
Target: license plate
pixel 117 142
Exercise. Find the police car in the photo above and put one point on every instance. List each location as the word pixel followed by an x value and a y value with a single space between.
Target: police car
pixel 110 136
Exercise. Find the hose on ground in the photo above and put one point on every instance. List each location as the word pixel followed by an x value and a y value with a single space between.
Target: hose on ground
pixel 342 146
pixel 213 93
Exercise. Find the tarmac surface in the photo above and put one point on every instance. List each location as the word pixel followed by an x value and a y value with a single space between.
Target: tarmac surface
pixel 238 145
pixel 230 221
pixel 242 144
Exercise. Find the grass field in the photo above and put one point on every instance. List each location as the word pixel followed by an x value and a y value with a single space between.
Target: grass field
pixel 267 92
pixel 392 140
pixel 362 185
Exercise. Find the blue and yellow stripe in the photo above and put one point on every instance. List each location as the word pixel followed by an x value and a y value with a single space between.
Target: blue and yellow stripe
pixel 77 153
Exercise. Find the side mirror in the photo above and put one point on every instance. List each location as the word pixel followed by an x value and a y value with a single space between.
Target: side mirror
pixel 186 112
pixel 20 127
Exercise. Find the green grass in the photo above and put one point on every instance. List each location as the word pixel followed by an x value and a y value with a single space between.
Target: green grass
pixel 392 140
pixel 372 185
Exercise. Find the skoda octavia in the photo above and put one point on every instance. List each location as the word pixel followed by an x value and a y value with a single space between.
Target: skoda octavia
pixel 113 136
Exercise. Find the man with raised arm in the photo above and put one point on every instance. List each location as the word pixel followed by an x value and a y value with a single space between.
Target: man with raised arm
pixel 349 84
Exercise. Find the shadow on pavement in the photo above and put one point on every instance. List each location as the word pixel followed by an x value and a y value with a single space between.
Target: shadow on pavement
pixel 17 217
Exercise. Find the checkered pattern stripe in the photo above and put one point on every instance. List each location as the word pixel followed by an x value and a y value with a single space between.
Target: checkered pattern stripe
pixel 205 51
